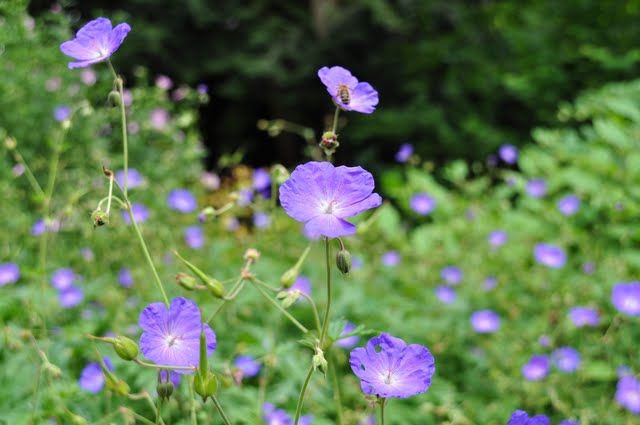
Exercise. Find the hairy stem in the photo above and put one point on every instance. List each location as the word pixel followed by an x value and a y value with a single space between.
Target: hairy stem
pixel 303 391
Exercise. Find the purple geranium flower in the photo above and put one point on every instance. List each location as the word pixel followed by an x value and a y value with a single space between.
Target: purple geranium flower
pixel 536 188
pixel 404 153
pixel 172 337
pixel 628 394
pixel 163 82
pixel 63 278
pixel 61 113
pixel 70 296
pixel 261 220
pixel 626 298
pixel 445 294
pixel 302 284
pixel 247 365
pixel 322 196
pixel 508 153
pixel 347 92
pixel 182 200
pixel 520 417
pixel 261 179
pixel 569 205
pixel 566 359
pixel 391 258
pixel 544 340
pixel 422 203
pixel 95 42
pixel 536 368
pixel 40 226
pixel 490 282
pixel 485 321
pixel 584 316
pixel 451 275
pixel 125 278
pixel 273 416
pixel 134 178
pixel 159 118
pixel 349 341
pixel 549 255
pixel 388 367
pixel 497 238
pixel 139 211
pixel 9 273
pixel 91 377
pixel 194 237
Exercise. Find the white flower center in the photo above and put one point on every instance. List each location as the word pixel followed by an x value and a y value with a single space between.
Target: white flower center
pixel 328 208
pixel 171 340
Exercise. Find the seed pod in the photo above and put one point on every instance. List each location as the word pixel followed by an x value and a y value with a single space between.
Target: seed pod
pixel 343 261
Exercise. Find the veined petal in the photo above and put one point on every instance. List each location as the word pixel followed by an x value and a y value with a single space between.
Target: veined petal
pixel 364 99
pixel 95 28
pixel 117 36
pixel 329 226
pixel 334 77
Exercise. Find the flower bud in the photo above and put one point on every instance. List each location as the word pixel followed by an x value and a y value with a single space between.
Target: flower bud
pixel 164 389
pixel 114 98
pixel 288 297
pixel 343 261
pixel 329 142
pixel 186 281
pixel 113 383
pixel 214 285
pixel 10 143
pixel 99 218
pixel 279 174
pixel 252 254
pixel 125 347
pixel 205 385
pixel 318 360
pixel 216 288
pixel 289 277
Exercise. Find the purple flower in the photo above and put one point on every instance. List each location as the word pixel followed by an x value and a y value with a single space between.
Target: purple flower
pixel 261 179
pixel 626 298
pixel 508 153
pixel 584 316
pixel 490 282
pixel 163 82
pixel 445 294
pixel 91 377
pixel 588 267
pixel 536 188
pixel 63 278
pixel 210 180
pixel 322 196
pixel 134 178
pixel 569 422
pixel 520 417
pixel 549 255
pixel 247 365
pixel 485 321
pixel 9 273
pixel 39 227
pixel 261 220
pixel 202 88
pixel 628 394
pixel 536 368
pixel 70 296
pixel 404 153
pixel 566 359
pixel 61 113
pixel 497 238
pixel 139 211
pixel 349 341
pixel 88 76
pixel 451 275
pixel 182 200
pixel 422 203
pixel 245 197
pixel 95 42
pixel 273 416
pixel 172 337
pixel 194 237
pixel 569 205
pixel 347 92
pixel 544 340
pixel 301 284
pixel 388 367
pixel 87 254
pixel 125 278
pixel 159 118
pixel 391 258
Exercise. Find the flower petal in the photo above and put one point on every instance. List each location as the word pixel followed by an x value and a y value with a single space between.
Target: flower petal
pixel 117 36
pixel 364 99
pixel 329 226
pixel 335 76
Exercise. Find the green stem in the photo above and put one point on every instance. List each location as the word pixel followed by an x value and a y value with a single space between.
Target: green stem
pixel 337 396
pixel 225 419
pixel 335 119
pixel 279 307
pixel 302 394
pixel 316 316
pixel 163 366
pixel 194 417
pixel 235 289
pixel 123 117
pixel 325 323
pixel 158 415
pixel 27 171
pixel 383 402
pixel 110 194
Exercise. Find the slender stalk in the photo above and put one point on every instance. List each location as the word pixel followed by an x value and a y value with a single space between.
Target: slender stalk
pixel 158 416
pixel 337 395
pixel 110 194
pixel 383 402
pixel 316 316
pixel 163 366
pixel 277 305
pixel 235 289
pixel 325 323
pixel 27 171
pixel 302 394
pixel 36 394
pixel 225 419
pixel 335 119
pixel 194 417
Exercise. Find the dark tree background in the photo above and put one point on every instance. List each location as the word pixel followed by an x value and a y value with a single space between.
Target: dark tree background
pixel 456 77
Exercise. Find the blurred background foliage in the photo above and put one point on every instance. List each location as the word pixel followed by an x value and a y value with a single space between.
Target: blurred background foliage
pixel 456 78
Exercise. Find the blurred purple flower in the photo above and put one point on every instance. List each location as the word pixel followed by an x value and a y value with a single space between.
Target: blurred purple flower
pixel 88 76
pixel 356 262
pixel 569 205
pixel 490 282
pixel 134 178
pixel 163 82
pixel 172 336
pixel 508 153
pixel 566 359
pixel 569 422
pixel 628 394
pixel 404 153
pixel 9 273
pixel 91 378
pixel 445 294
pixel 520 417
pixel 544 340
pixel 550 255
pixel 485 321
pixel 202 88
pixel 451 275
pixel 536 368
pixel 39 227
pixel 95 42
pixel 70 296
pixel 273 416
pixel 159 118
pixel 63 278
pixel 87 254
pixel 588 267
pixel 422 203
pixel 18 170
pixel 302 284
pixel 53 84
pixel 391 258
pixel 350 341
pixel 497 238
pixel 584 316
pixel 536 188
pixel 180 93
pixel 127 97
pixel 626 298
pixel 232 224
pixel 261 220
pixel 210 180
pixel 261 179
pixel 61 113
pixel 139 211
pixel 323 196
pixel 133 127
pixel 388 367
pixel 247 365
pixel 194 237
pixel 182 200
pixel 125 278
pixel 347 92
pixel 245 197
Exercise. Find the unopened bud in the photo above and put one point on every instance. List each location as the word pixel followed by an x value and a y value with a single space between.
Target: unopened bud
pixel 252 254
pixel 216 288
pixel 52 370
pixel 318 360
pixel 10 143
pixel 289 277
pixel 125 347
pixel 329 142
pixel 186 281
pixel 164 389
pixel 114 98
pixel 99 218
pixel 288 297
pixel 205 385
pixel 113 383
pixel 279 174
pixel 343 261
